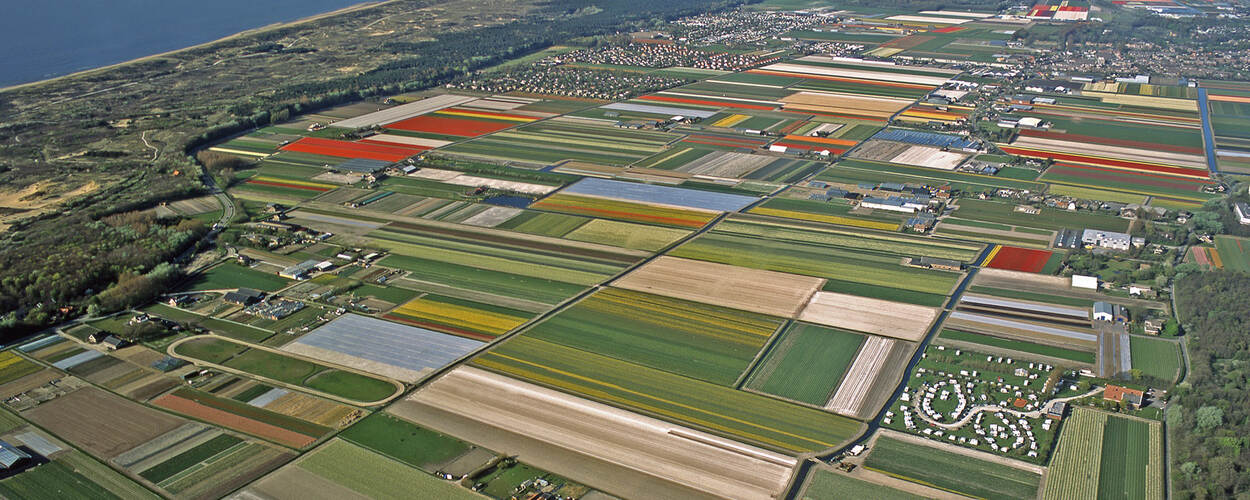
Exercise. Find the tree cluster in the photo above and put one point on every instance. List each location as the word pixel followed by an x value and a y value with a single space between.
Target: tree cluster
pixel 1210 414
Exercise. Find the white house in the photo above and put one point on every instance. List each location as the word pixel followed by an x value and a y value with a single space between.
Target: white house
pixel 1106 239
pixel 1243 212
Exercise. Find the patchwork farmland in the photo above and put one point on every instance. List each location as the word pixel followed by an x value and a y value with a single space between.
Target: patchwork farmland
pixel 807 255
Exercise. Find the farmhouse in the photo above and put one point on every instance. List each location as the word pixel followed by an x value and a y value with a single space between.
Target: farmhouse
pixel 1056 410
pixel 243 296
pixel 944 264
pixel 112 342
pixel 1103 312
pixel 299 271
pixel 1131 397
pixel 1243 212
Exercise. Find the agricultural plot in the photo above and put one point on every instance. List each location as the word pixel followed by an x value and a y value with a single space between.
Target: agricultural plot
pixel 197 461
pixel 14 367
pixel 1111 183
pixel 322 474
pixel 833 212
pixel 879 317
pixel 726 164
pixel 1067 335
pixel 870 269
pixel 1233 252
pixel 626 235
pixel 705 342
pixel 287 369
pixel 72 416
pixel 738 415
pixel 659 195
pixel 52 479
pixel 871 378
pixel 1024 349
pixel 406 442
pixel 910 154
pixel 242 417
pixel 459 121
pixel 461 317
pixel 1156 357
pixel 381 347
pixel 230 276
pixel 403 112
pixel 858 107
pixel 557 140
pixel 1047 218
pixel 1107 456
pixel 628 211
pixel 806 364
pixel 766 292
pixel 951 471
pixel 826 484
pixel 1018 259
pixel 703 462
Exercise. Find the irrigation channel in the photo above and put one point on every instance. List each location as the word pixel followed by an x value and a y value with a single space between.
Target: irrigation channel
pixel 1208 137
pixel 805 467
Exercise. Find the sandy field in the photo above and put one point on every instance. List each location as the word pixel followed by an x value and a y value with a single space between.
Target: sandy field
pixel 697 460
pixel 838 103
pixel 876 316
pixel 726 164
pixel 857 73
pixel 37 379
pixel 406 140
pixel 768 292
pixel 76 417
pixel 404 111
pixel 861 375
pixel 492 217
pixel 931 157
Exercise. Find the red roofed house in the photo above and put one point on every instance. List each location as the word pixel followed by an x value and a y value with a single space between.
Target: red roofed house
pixel 1131 397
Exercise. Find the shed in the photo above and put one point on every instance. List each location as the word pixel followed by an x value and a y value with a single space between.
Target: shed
pixel 11 456
pixel 1103 311
pixel 1087 282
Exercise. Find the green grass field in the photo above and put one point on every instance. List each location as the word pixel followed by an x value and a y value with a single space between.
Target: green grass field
pixel 951 471
pixel 231 275
pixel 721 410
pixel 406 442
pixel 1023 347
pixel 52 480
pixel 830 485
pixel 497 282
pixel 288 369
pixel 1049 218
pixel 1158 358
pixel 1126 452
pixel 376 476
pixel 709 343
pixel 806 364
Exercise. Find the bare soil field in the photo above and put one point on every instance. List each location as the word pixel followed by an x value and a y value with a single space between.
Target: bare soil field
pixel 876 316
pixel 165 446
pixel 768 292
pixel 639 446
pixel 726 164
pixel 76 417
pixel 294 482
pixel 930 157
pixel 838 103
pixel 138 355
pixel 28 382
pixel 879 150
pixel 871 378
pixel 233 421
pixel 197 205
pixel 311 409
pixel 492 217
